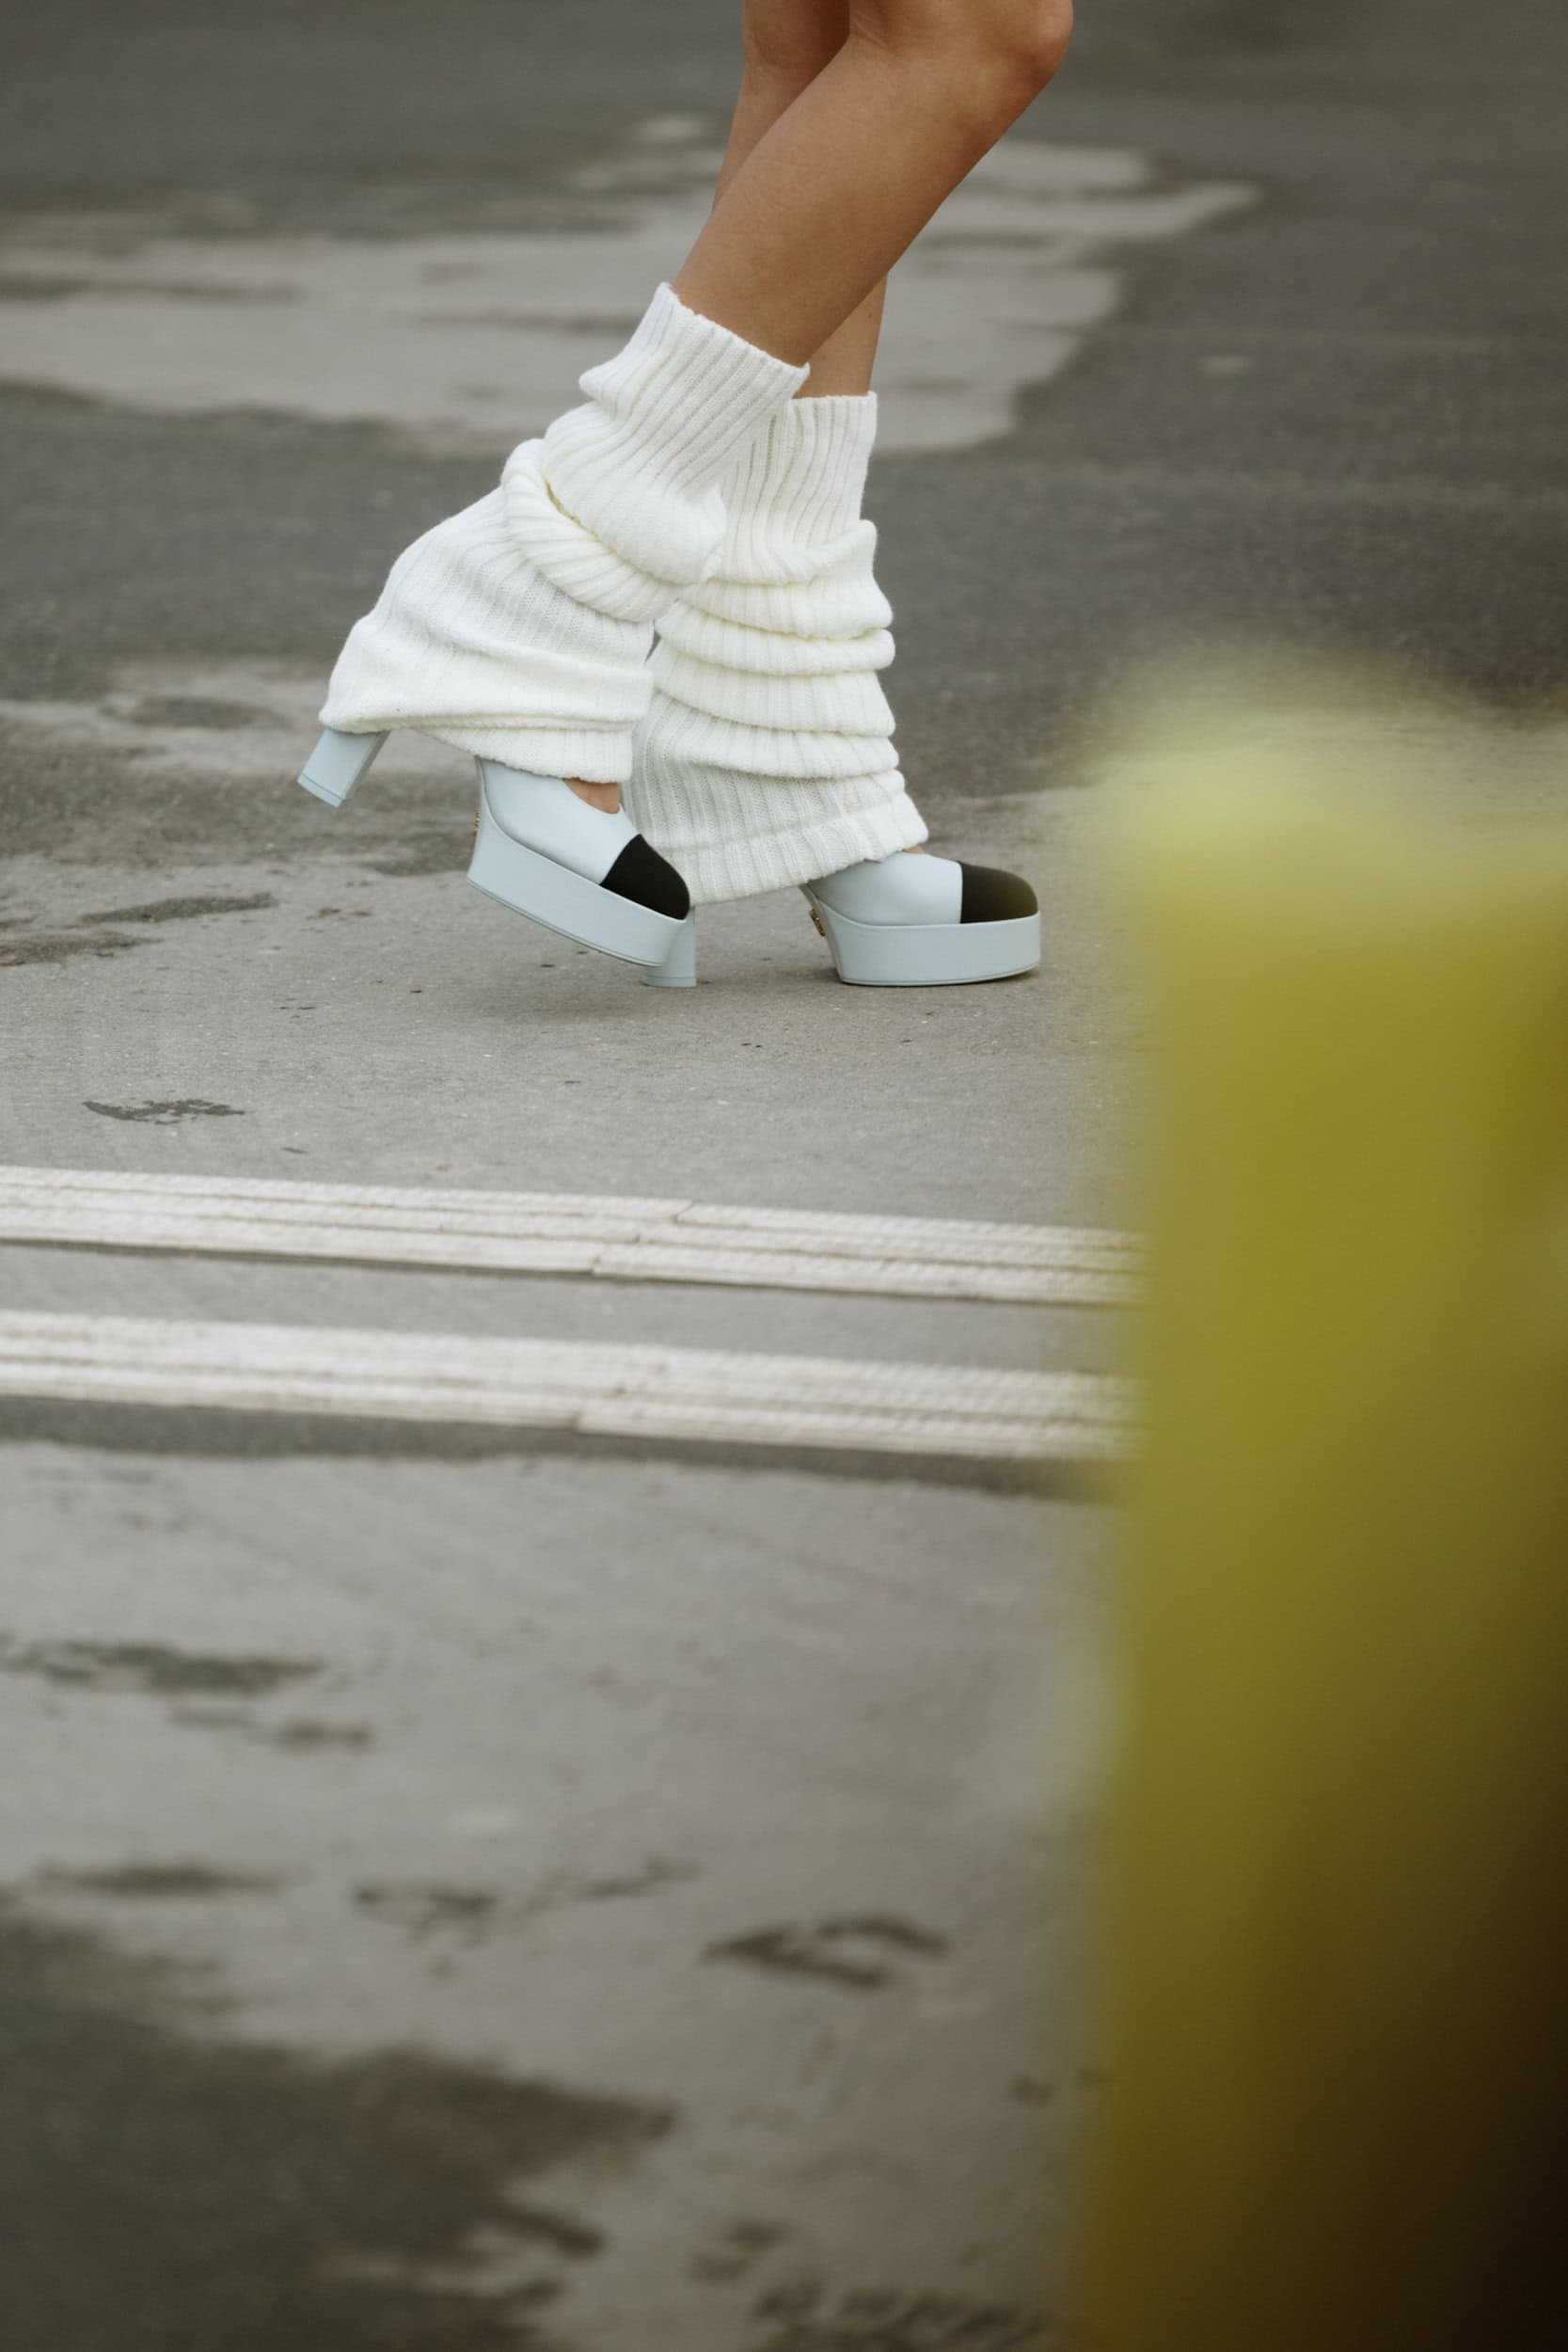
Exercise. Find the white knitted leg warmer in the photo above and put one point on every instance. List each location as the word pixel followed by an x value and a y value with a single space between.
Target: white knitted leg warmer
pixel 766 757
pixel 519 630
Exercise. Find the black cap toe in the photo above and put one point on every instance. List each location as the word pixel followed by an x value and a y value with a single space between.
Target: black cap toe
pixel 990 895
pixel 641 874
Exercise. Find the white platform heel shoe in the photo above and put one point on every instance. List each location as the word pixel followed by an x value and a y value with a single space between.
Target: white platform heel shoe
pixel 906 922
pixel 544 852
pixel 926 922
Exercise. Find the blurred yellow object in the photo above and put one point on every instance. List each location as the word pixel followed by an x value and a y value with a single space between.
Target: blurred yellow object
pixel 1338 1927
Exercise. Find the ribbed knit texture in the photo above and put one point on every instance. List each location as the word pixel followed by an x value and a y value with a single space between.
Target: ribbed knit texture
pixel 766 755
pixel 519 629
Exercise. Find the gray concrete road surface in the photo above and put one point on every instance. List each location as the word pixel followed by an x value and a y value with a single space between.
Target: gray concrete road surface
pixel 624 1899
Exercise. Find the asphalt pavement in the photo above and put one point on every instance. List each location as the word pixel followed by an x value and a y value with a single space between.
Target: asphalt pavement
pixel 623 1897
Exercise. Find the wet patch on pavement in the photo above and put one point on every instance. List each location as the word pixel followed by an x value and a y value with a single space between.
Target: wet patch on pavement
pixel 59 946
pixel 181 909
pixel 805 2317
pixel 93 934
pixel 474 341
pixel 302 1735
pixel 249 2196
pixel 424 1909
pixel 647 1879
pixel 306 1737
pixel 167 1113
pixel 161 1881
pixel 562 2233
pixel 152 1668
pixel 204 752
pixel 859 1953
pixel 733 2251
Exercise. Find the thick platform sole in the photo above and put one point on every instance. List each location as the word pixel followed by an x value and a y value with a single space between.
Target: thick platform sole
pixel 928 955
pixel 530 884
pixel 338 763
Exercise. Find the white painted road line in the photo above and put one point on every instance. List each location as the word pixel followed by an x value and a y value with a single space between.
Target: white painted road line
pixel 541 1233
pixel 653 1392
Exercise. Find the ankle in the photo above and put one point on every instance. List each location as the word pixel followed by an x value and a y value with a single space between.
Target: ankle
pixel 602 796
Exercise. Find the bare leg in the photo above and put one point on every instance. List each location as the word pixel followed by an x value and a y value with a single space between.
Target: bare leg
pixel 856 118
pixel 829 197
pixel 787 44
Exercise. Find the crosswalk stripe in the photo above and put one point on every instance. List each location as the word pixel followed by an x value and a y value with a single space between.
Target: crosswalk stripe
pixel 539 1233
pixel 653 1392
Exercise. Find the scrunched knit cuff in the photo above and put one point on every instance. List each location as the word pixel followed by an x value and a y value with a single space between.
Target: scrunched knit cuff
pixel 519 629
pixel 767 754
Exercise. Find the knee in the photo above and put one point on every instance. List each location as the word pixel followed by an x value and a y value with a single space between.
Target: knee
pixel 787 44
pixel 1036 36
pixel 997 54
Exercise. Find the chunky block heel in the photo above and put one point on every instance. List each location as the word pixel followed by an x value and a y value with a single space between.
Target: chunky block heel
pixel 338 763
pixel 595 912
pixel 679 968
